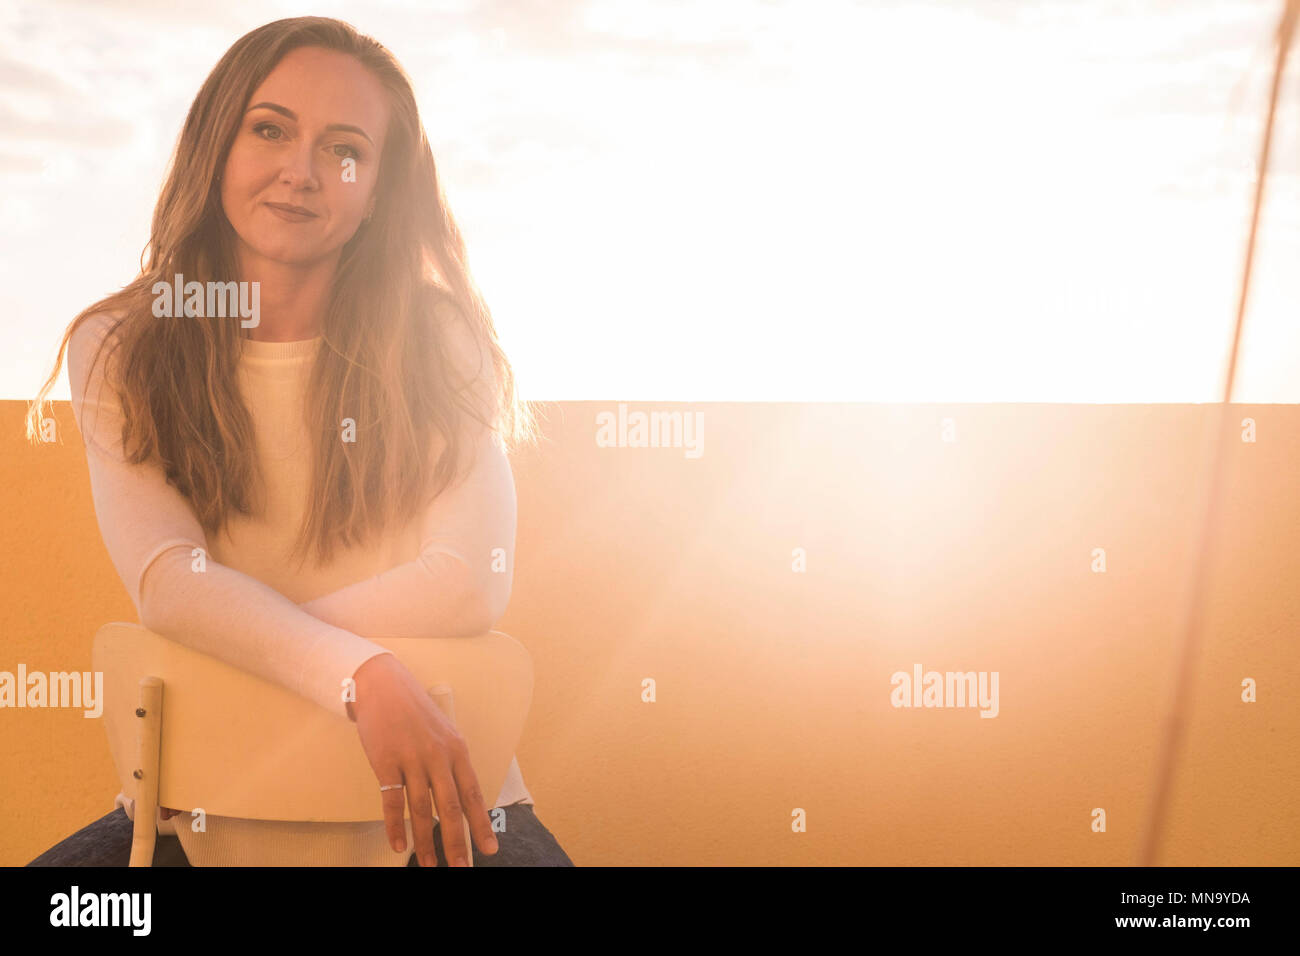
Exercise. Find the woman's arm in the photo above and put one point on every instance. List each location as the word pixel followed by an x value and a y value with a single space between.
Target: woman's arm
pixel 150 531
pixel 459 585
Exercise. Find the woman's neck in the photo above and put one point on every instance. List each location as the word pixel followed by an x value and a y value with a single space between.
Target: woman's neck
pixel 293 299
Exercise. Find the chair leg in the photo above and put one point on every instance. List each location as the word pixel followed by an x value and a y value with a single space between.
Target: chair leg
pixel 441 694
pixel 148 745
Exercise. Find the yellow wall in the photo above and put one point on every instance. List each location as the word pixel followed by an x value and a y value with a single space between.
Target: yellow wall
pixel 773 687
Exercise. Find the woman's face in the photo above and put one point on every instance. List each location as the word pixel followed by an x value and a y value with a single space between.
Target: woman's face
pixel 287 187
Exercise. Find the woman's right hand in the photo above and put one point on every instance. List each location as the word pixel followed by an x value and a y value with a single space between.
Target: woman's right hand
pixel 409 740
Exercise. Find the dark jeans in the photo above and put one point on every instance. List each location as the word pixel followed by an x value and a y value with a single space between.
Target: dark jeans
pixel 107 842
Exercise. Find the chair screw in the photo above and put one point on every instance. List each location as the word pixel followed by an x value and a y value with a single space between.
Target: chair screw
pixel 138 774
pixel 139 711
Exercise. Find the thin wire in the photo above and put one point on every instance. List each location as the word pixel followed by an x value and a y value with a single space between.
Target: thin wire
pixel 1180 706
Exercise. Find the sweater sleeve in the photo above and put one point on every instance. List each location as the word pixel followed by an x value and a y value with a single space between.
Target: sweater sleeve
pixel 460 583
pixel 153 538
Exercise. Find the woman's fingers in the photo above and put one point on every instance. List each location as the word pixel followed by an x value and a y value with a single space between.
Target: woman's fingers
pixel 449 814
pixel 476 811
pixel 394 803
pixel 421 814
pixel 408 738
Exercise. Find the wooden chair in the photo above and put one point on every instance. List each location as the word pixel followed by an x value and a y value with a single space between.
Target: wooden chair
pixel 189 731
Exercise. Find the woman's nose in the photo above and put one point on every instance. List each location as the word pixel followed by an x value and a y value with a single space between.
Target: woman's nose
pixel 298 171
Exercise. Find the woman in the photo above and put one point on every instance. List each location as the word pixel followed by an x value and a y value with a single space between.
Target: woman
pixel 302 436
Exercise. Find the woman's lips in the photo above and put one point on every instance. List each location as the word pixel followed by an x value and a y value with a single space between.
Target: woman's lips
pixel 290 213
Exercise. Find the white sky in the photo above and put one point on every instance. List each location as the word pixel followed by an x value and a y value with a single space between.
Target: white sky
pixel 967 200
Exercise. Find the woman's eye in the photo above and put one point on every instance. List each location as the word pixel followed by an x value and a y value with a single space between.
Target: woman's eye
pixel 346 150
pixel 263 129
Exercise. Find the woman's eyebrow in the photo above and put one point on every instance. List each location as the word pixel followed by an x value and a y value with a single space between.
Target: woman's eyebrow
pixel 285 111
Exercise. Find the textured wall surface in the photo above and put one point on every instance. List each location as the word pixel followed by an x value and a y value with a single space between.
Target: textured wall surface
pixel 773 685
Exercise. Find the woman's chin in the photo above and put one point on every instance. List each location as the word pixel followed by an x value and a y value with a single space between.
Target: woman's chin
pixel 289 254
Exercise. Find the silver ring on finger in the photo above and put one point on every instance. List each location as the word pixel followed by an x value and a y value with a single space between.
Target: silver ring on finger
pixel 392 786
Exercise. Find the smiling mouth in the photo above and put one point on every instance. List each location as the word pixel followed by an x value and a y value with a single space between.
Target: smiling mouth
pixel 291 213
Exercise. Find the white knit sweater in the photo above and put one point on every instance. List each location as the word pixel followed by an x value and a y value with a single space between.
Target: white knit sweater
pixel 304 629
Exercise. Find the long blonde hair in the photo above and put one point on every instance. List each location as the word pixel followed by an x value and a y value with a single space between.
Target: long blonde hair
pixel 384 361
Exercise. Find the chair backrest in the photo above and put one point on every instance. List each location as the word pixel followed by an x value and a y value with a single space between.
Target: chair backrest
pixel 238 746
